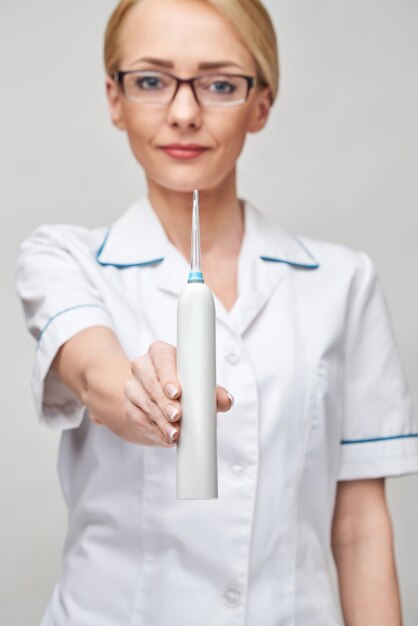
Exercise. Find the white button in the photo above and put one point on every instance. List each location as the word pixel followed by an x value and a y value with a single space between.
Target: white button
pixel 233 356
pixel 232 598
pixel 237 472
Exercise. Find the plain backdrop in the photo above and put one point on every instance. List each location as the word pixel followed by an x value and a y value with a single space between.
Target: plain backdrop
pixel 337 162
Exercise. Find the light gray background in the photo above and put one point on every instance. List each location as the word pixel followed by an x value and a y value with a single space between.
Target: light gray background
pixel 337 161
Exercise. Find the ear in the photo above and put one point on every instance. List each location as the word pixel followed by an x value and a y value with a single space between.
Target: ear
pixel 261 110
pixel 114 97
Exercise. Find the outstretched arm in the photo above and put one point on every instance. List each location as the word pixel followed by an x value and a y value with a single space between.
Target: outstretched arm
pixel 131 398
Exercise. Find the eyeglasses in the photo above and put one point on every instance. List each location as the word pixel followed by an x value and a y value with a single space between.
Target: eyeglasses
pixel 209 90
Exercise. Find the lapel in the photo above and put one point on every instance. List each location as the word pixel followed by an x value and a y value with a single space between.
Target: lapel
pixel 137 239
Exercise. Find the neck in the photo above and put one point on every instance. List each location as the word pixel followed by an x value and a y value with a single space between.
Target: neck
pixel 221 217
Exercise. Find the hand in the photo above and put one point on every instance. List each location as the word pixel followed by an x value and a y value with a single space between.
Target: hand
pixel 152 396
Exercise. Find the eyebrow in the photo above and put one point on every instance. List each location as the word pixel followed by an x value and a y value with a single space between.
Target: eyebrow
pixel 202 66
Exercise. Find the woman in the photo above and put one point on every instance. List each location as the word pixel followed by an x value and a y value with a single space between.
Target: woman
pixel 304 343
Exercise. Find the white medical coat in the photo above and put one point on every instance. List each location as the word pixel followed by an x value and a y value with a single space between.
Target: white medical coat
pixel 308 352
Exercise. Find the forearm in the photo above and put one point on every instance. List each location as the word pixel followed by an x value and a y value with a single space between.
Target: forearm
pixel 95 367
pixel 363 552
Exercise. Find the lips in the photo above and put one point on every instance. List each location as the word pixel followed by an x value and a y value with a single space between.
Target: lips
pixel 184 151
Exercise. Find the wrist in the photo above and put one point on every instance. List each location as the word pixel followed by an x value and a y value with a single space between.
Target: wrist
pixel 103 388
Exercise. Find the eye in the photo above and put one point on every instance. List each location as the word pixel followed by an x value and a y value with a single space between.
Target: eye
pixel 148 83
pixel 221 86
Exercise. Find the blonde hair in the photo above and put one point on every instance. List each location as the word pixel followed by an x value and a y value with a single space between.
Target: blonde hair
pixel 249 17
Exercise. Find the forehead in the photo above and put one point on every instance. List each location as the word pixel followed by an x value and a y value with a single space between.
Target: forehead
pixel 185 32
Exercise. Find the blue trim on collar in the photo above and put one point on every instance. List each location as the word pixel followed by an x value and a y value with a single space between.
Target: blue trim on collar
pixel 346 442
pixel 293 263
pixel 121 266
pixel 308 266
pixel 313 266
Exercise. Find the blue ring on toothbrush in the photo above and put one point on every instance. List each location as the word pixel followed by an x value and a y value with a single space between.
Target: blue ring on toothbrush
pixel 195 277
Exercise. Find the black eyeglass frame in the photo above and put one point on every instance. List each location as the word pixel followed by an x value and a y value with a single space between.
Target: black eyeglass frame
pixel 251 82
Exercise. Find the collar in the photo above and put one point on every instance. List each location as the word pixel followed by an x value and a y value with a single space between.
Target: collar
pixel 138 239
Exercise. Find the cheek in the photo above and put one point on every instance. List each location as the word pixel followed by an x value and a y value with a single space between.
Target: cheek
pixel 141 127
pixel 231 131
pixel 138 132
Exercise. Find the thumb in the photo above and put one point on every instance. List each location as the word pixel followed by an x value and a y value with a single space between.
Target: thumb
pixel 224 400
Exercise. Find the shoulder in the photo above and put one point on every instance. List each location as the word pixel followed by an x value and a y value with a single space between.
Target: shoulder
pixel 69 237
pixel 336 258
pixel 317 260
pixel 344 278
pixel 54 249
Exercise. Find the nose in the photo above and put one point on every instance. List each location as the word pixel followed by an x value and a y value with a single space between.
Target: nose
pixel 184 111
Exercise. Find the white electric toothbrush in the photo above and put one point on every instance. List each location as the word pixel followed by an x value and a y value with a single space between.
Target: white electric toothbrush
pixel 197 466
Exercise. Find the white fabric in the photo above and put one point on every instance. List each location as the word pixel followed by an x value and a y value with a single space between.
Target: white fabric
pixel 309 355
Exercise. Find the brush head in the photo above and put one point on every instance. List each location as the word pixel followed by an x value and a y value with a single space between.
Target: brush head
pixel 195 274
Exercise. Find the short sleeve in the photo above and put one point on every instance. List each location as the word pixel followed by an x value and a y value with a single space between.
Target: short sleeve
pixel 56 284
pixel 380 433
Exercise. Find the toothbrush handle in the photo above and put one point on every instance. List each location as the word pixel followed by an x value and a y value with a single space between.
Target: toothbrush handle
pixel 197 471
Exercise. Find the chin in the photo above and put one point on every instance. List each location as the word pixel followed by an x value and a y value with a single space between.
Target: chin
pixel 186 181
pixel 186 184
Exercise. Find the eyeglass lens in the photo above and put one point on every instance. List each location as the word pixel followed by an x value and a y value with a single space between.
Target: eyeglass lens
pixel 210 89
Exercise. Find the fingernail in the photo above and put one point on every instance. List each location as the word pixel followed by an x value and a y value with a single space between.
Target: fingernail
pixel 172 411
pixel 231 399
pixel 171 431
pixel 171 390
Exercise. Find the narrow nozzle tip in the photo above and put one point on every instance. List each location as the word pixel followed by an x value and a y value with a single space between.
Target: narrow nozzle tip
pixel 195 271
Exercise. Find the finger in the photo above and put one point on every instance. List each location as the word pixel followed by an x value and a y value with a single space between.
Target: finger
pixel 139 396
pixel 149 433
pixel 164 358
pixel 149 381
pixel 224 400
